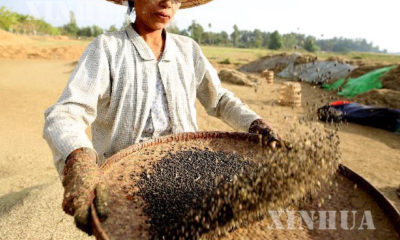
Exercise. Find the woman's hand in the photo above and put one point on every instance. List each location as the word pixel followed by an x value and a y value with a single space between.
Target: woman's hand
pixel 269 136
pixel 82 185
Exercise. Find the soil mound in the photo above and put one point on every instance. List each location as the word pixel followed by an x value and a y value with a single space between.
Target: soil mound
pixel 300 67
pixel 303 59
pixel 358 72
pixel 14 46
pixel 275 63
pixel 7 38
pixel 236 77
pixel 391 80
pixel 22 52
pixel 380 97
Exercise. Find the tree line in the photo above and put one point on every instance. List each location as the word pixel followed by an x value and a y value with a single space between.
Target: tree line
pixel 26 24
pixel 273 40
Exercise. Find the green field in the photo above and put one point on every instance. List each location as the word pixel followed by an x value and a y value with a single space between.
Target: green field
pixel 240 56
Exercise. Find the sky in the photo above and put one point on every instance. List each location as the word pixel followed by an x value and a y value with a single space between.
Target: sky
pixel 373 20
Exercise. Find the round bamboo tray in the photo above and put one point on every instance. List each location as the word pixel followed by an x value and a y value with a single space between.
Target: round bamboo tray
pixel 128 221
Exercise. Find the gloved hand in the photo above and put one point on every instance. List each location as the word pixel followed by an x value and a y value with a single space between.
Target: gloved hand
pixel 82 185
pixel 269 136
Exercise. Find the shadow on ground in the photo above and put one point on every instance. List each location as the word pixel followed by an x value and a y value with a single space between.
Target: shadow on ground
pixel 8 201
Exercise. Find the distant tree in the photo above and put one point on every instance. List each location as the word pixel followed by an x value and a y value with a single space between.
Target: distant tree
pixel 112 28
pixel 96 31
pixel 210 34
pixel 289 41
pixel 196 32
pixel 310 45
pixel 72 27
pixel 275 41
pixel 246 39
pixel 173 28
pixel 235 36
pixel 184 32
pixel 224 38
pixel 85 32
pixel 266 39
pixel 258 39
pixel 7 19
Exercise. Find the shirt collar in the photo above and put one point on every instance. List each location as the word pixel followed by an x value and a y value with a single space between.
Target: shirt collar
pixel 144 49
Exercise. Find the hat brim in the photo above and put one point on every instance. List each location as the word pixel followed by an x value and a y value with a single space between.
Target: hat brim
pixel 185 3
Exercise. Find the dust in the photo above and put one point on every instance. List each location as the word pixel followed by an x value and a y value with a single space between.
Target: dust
pixel 284 180
pixel 275 179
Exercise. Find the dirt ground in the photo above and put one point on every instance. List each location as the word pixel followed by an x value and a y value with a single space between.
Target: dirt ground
pixel 30 190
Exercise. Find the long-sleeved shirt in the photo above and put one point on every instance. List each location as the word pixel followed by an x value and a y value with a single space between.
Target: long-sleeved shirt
pixel 159 123
pixel 112 90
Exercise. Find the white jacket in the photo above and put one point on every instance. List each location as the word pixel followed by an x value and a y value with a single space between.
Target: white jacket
pixel 109 90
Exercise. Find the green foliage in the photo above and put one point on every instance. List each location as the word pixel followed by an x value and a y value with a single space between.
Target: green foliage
pixel 266 40
pixel 196 31
pixel 96 31
pixel 112 28
pixel 72 29
pixel 16 22
pixel 172 28
pixel 345 45
pixel 235 36
pixel 20 23
pixel 258 39
pixel 310 45
pixel 226 61
pixel 289 41
pixel 275 41
pixel 7 19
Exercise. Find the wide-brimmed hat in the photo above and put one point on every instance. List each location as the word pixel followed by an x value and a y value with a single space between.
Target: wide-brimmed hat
pixel 185 3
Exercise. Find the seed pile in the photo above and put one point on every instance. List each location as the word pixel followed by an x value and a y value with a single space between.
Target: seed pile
pixel 196 193
pixel 180 181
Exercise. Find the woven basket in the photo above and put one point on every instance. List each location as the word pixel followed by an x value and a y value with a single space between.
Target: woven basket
pixel 128 221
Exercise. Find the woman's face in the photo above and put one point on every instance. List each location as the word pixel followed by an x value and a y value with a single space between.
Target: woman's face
pixel 156 14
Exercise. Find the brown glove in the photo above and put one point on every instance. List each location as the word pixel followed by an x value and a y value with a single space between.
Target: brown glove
pixel 398 191
pixel 269 136
pixel 82 185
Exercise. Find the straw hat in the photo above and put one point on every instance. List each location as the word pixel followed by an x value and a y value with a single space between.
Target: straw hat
pixel 185 3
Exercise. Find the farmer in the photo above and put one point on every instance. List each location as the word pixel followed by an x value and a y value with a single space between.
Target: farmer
pixel 132 86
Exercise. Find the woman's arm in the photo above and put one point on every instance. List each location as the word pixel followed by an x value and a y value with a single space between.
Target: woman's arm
pixel 220 102
pixel 66 121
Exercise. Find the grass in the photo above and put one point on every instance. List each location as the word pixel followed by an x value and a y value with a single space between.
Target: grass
pixel 235 55
pixel 239 56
